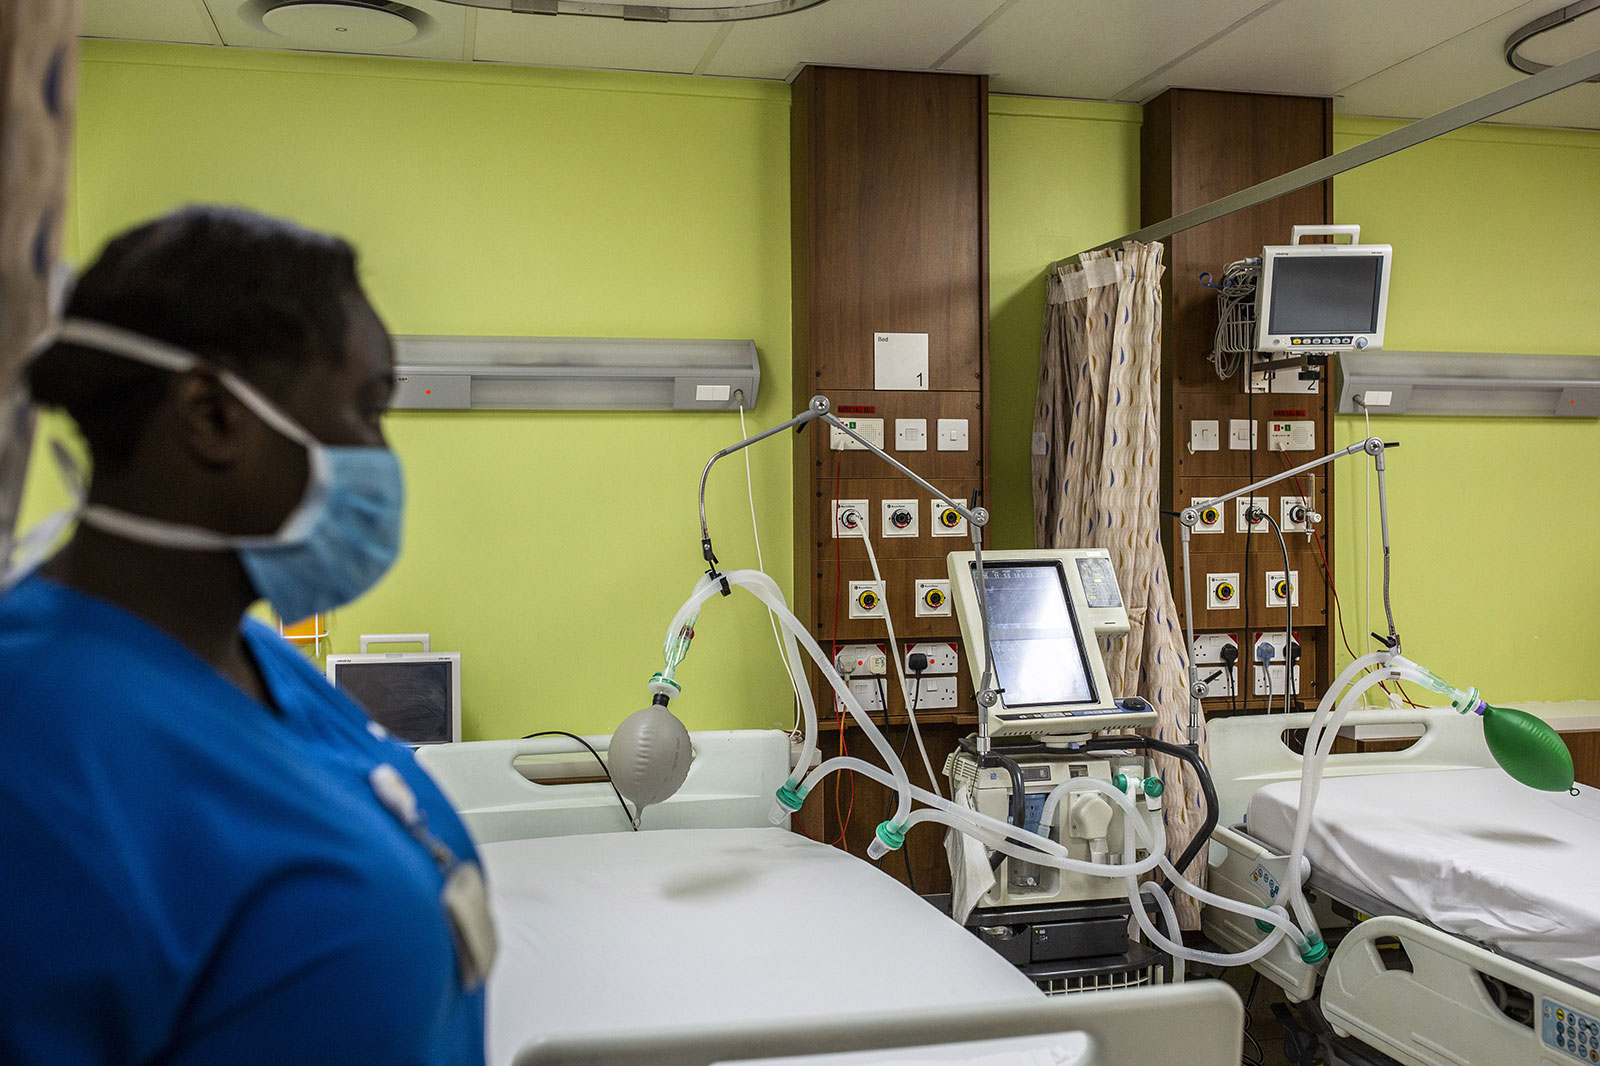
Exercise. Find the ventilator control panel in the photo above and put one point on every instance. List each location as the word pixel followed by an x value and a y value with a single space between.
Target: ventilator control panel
pixel 1568 1030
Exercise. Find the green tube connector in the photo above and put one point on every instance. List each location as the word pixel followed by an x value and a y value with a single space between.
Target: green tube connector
pixel 1153 787
pixel 894 836
pixel 1120 782
pixel 792 797
pixel 1265 927
pixel 1315 950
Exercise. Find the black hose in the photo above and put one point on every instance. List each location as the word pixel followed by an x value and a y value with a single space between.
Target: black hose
pixel 1178 751
pixel 1018 814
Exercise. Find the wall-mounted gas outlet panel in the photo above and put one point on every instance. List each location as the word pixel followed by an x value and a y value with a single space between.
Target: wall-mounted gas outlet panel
pixel 1222 592
pixel 942 658
pixel 1288 507
pixel 1211 520
pixel 900 518
pixel 1243 504
pixel 866 599
pixel 849 518
pixel 933 597
pixel 862 659
pixel 946 521
pixel 1281 589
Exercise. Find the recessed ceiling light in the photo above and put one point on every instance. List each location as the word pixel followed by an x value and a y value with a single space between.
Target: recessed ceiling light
pixel 1564 34
pixel 677 11
pixel 340 25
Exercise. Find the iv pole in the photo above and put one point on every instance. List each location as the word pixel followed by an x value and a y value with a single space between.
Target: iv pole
pixel 1189 517
pixel 821 409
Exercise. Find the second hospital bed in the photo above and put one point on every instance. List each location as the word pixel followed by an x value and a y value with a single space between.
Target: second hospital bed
pixel 1463 907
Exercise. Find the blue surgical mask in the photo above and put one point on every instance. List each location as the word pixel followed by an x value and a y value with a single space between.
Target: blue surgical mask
pixel 341 538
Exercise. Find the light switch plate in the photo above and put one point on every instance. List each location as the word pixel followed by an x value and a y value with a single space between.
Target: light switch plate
pixel 952 434
pixel 1205 435
pixel 1241 434
pixel 911 434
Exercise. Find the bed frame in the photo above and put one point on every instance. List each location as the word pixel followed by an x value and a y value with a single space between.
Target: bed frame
pixel 1447 1009
pixel 518 789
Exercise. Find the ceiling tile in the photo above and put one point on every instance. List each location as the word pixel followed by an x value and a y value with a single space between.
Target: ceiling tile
pixel 1316 48
pixel 176 21
pixel 579 41
pixel 444 36
pixel 1463 69
pixel 881 34
pixel 1090 50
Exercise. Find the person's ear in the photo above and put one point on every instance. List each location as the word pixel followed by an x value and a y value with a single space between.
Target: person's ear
pixel 212 425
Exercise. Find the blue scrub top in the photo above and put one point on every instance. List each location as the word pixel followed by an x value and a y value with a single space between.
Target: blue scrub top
pixel 189 877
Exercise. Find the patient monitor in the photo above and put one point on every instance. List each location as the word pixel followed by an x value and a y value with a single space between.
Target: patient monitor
pixel 1048 612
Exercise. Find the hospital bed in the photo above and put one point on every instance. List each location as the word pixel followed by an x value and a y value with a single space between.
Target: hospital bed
pixel 1469 903
pixel 712 936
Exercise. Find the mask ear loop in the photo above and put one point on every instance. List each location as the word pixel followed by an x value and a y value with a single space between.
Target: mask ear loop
pixel 30 550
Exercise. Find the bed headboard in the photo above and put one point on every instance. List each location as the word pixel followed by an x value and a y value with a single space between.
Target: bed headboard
pixel 730 785
pixel 1248 752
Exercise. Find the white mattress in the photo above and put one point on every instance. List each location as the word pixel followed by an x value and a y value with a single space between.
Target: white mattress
pixel 1471 851
pixel 697 926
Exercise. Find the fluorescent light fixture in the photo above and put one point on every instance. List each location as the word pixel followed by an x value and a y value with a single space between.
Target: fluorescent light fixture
pixel 1469 383
pixel 704 11
pixel 574 373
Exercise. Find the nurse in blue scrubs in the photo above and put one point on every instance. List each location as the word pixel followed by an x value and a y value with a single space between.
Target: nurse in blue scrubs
pixel 207 854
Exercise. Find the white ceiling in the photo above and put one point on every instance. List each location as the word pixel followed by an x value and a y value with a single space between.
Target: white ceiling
pixel 1398 58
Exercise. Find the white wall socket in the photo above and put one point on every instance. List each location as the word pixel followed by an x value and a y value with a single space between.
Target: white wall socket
pixel 846 511
pixel 945 521
pixel 942 658
pixel 1243 504
pixel 1272 675
pixel 866 599
pixel 1273 639
pixel 1208 646
pixel 1222 592
pixel 1275 581
pixel 868 693
pixel 1221 680
pixel 935 693
pixel 933 597
pixel 900 518
pixel 860 659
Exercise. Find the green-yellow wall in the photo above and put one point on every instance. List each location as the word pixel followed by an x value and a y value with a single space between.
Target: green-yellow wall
pixel 550 549
pixel 1493 520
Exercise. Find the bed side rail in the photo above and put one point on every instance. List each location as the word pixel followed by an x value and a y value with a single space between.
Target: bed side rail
pixel 1198 1023
pixel 1441 1011
pixel 1248 752
pixel 730 785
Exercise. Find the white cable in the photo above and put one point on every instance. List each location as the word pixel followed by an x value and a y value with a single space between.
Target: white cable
pixel 755 533
pixel 899 665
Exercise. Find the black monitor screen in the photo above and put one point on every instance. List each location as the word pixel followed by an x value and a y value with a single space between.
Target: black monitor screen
pixel 1037 649
pixel 1325 294
pixel 412 700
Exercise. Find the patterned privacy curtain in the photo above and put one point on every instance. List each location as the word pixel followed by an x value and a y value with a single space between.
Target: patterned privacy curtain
pixel 1097 484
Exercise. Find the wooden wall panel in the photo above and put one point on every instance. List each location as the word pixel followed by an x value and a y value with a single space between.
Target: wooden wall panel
pixel 889 183
pixel 1195 147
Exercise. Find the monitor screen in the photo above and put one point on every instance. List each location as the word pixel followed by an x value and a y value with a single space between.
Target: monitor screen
pixel 1325 294
pixel 411 699
pixel 1038 652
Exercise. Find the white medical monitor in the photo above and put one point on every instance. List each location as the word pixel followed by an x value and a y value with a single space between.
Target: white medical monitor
pixel 1048 611
pixel 415 696
pixel 1322 297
